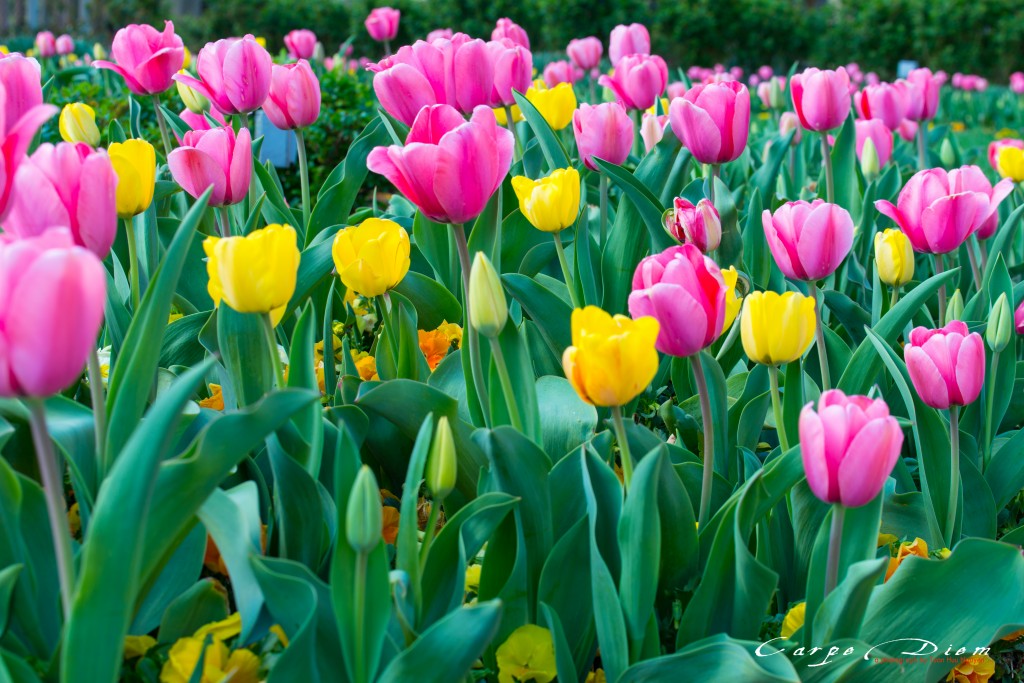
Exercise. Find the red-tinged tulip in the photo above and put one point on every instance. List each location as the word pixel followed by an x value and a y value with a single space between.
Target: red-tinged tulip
pixel 64 44
pixel 301 43
pixel 294 100
pixel 604 131
pixel 993 147
pixel 214 158
pixel 947 365
pixel 939 209
pixel 20 81
pixel 510 30
pixel 585 53
pixel 1018 318
pixel 885 101
pixel 790 121
pixel 821 98
pixel 46 44
pixel 512 71
pixel 685 292
pixel 382 23
pixel 561 71
pixel 907 130
pixel 449 167
pixel 849 446
pixel 234 74
pixel 625 40
pixel 713 121
pixel 68 185
pixel 52 294
pixel 639 80
pixel 808 239
pixel 414 77
pixel 923 94
pixel 146 58
pixel 697 224
pixel 880 136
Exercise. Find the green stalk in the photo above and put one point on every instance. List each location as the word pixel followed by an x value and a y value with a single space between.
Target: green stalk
pixel 894 298
pixel 826 159
pixel 275 359
pixel 99 407
pixel 510 124
pixel 715 170
pixel 620 436
pixel 780 425
pixel 475 363
pixel 989 405
pixel 133 258
pixel 506 384
pixel 942 291
pixel 359 673
pixel 603 187
pixel 819 335
pixel 244 117
pixel 922 149
pixel 954 475
pixel 303 178
pixel 164 135
pixel 975 271
pixel 566 273
pixel 707 421
pixel 835 544
pixel 428 533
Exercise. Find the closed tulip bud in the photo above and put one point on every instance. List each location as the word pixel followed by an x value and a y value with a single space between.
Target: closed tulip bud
pixel 382 23
pixel 946 154
pixel 319 53
pixel 604 131
pixel 372 257
pixel 294 99
pixel 78 124
pixel 628 40
pixel 698 224
pixel 808 239
pixel 1000 325
pixel 135 165
pixel 98 51
pixel 894 257
pixel 946 365
pixel 880 137
pixel 363 515
pixel 869 165
pixel 1018 318
pixel 555 104
pixel 550 204
pixel 488 310
pixel 442 463
pixel 585 52
pixel 652 129
pixel 192 98
pixel 777 328
pixel 790 121
pixel 300 43
pixel 955 307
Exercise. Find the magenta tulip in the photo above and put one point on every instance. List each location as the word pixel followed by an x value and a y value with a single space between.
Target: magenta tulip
pixel 413 78
pixel 1018 318
pixel 821 98
pixel 849 446
pixel 46 44
pixel 639 80
pixel 234 74
pixel 993 147
pixel 512 71
pixel 684 290
pixel 449 168
pixel 561 71
pixel 21 116
pixel 604 131
pixel 699 225
pixel 939 209
pixel 294 99
pixel 214 158
pixel 908 130
pixel 947 365
pixel 66 185
pixel 808 239
pixel 439 34
pixel 625 40
pixel 23 91
pixel 146 58
pixel 885 101
pixel 585 52
pixel 880 135
pixel 923 94
pixel 382 24
pixel 301 43
pixel 510 30
pixel 712 121
pixel 64 44
pixel 199 121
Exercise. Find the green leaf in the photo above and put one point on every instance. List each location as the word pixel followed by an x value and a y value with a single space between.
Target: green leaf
pixel 302 375
pixel 551 314
pixel 204 602
pixel 718 659
pixel 245 352
pixel 566 420
pixel 554 153
pixel 640 543
pixel 644 200
pixel 434 303
pixel 292 602
pixel 844 169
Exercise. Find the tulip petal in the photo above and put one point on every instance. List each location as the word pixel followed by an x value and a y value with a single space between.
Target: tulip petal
pixel 196 171
pixel 868 462
pixel 927 379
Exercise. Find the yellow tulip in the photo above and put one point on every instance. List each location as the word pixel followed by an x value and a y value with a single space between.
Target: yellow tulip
pixel 556 104
pixel 1010 163
pixel 371 257
pixel 528 654
pixel 499 114
pixel 136 646
pixel 794 619
pixel 134 163
pixel 194 101
pixel 261 41
pixel 612 359
pixel 733 301
pixel 894 257
pixel 98 51
pixel 78 124
pixel 552 203
pixel 188 59
pixel 225 629
pixel 4 50
pixel 218 662
pixel 255 273
pixel 777 328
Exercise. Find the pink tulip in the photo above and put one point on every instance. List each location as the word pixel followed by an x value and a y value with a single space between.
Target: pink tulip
pixel 21 116
pixel 510 30
pixel 633 39
pixel 849 446
pixel 20 81
pixel 382 24
pixel 675 89
pixel 1017 82
pixel 301 43
pixel 512 71
pixel 585 52
pixel 146 58
pixel 884 101
pixel 684 290
pixel 67 185
pixel 199 121
pixel 440 33
pixel 993 148
pixel 234 74
pixel 46 44
pixel 413 78
pixel 821 98
pixel 52 295
pixel 639 80
pixel 64 44
pixel 907 130
pixel 939 209
pixel 713 121
pixel 449 168
pixel 765 72
pixel 561 71
pixel 947 365
pixel 808 239
pixel 1018 318
pixel 699 225
pixel 923 95
pixel 790 121
pixel 604 131
pixel 879 134
pixel 652 129
pixel 214 158
pixel 294 100
pixel 972 179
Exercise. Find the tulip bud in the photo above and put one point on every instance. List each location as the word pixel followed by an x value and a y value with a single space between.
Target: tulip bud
pixel 955 307
pixel 363 516
pixel 78 124
pixel 318 52
pixel 1000 325
pixel 946 153
pixel 488 310
pixel 869 165
pixel 699 225
pixel 195 102
pixel 790 121
pixel 894 257
pixel 441 462
pixel 98 51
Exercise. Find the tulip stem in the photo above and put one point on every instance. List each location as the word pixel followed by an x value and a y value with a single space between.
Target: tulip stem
pixel 638 139
pixel 359 673
pixel 566 273
pixel 387 322
pixel 99 406
pixel 244 118
pixel 225 220
pixel 56 506
pixel 954 474
pixel 602 185
pixel 303 177
pixel 430 530
pixel 506 384
pixel 511 125
pixel 620 436
pixel 734 331
pixel 894 298
pixel 715 170
pixel 780 425
pixel 819 335
pixel 942 291
pixel 835 544
pixel 707 423
pixel 973 257
pixel 163 126
pixel 922 147
pixel 826 160
pixel 133 264
pixel 275 359
pixel 989 404
pixel 476 366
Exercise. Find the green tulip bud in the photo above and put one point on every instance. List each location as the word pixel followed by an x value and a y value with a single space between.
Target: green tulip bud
pixel 488 311
pixel 441 462
pixel 1000 325
pixel 363 516
pixel 193 100
pixel 946 153
pixel 955 308
pixel 869 162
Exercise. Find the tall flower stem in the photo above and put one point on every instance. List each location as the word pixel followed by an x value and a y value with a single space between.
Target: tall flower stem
pixel 707 421
pixel 506 384
pixel 826 160
pixel 359 598
pixel 474 339
pixel 638 140
pixel 954 474
pixel 715 170
pixel 164 135
pixel 388 323
pixel 225 220
pixel 244 118
pixel 835 544
pixel 99 405
pixel 430 530
pixel 894 298
pixel 819 335
pixel 56 507
pixel 133 263
pixel 566 273
pixel 942 291
pixel 275 359
pixel 511 125
pixel 620 436
pixel 602 184
pixel 303 177
pixel 922 146
pixel 780 425
pixel 973 257
pixel 989 405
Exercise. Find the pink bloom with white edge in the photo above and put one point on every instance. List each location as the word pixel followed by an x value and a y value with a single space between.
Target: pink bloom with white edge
pixel 939 209
pixel 604 131
pixel 585 52
pixel 880 136
pixel 146 58
pixel 214 158
pixel 510 30
pixel 907 130
pixel 821 98
pixel 947 365
pixel 625 40
pixel 301 43
pixel 790 121
pixel 697 224
pixel 849 446
pixel 294 99
pixel 639 80
pixel 46 44
pixel 382 23
pixel 561 71
pixel 234 74
pixel 440 34
pixel 713 121
pixel 808 239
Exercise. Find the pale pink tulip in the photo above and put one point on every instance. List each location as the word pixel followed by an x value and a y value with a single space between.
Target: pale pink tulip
pixel 808 239
pixel 639 80
pixel 947 365
pixel 880 135
pixel 294 99
pixel 214 158
pixel 821 98
pixel 382 23
pixel 234 74
pixel 301 43
pixel 585 53
pixel 604 131
pixel 510 30
pixel 146 58
pixel 713 121
pixel 625 40
pixel 923 94
pixel 885 101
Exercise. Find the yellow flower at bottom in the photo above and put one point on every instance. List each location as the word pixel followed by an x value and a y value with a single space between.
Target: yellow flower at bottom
pixel 527 655
pixel 215 400
pixel 918 548
pixel 225 629
pixel 1010 163
pixel 473 578
pixel 366 365
pixel 733 301
pixel 550 204
pixel 556 104
pixel 219 662
pixel 612 359
pixel 134 162
pixel 976 669
pixel 777 328
pixel 371 257
pixel 894 257
pixel 136 646
pixel 596 677
pixel 794 620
